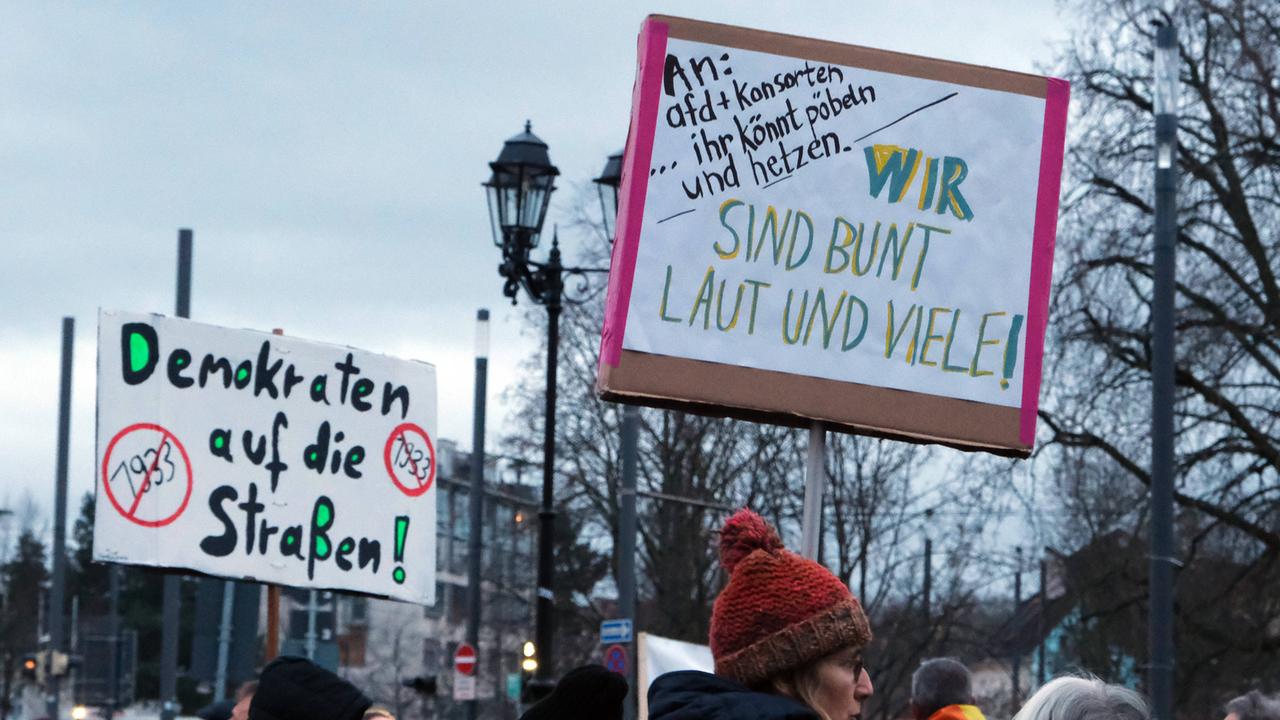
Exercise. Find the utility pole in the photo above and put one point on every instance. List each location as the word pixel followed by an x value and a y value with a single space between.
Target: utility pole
pixel 476 499
pixel 928 571
pixel 309 641
pixel 1162 374
pixel 113 662
pixel 1044 606
pixel 627 543
pixel 1017 655
pixel 224 640
pixel 928 581
pixel 173 581
pixel 57 630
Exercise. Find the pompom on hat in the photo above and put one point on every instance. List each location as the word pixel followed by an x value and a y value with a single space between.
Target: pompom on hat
pixel 779 611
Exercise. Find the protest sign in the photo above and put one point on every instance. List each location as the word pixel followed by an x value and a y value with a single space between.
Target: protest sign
pixel 815 231
pixel 248 455
pixel 658 656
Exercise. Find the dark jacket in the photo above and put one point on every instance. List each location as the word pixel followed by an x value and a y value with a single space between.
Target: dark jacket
pixel 292 688
pixel 694 695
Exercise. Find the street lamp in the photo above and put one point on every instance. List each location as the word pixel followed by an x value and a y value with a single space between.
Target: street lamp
pixel 519 191
pixel 1163 380
pixel 607 185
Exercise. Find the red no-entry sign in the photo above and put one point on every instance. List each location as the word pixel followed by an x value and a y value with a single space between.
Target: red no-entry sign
pixel 464 660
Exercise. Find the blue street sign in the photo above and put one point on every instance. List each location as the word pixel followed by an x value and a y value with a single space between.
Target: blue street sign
pixel 615 631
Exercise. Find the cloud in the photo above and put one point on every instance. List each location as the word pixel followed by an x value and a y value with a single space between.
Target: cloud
pixel 329 157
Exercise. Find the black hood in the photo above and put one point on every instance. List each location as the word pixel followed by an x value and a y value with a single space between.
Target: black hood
pixel 293 688
pixel 694 695
pixel 589 692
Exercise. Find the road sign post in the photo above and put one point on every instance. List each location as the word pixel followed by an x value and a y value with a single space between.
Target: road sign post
pixel 464 672
pixel 615 631
pixel 616 660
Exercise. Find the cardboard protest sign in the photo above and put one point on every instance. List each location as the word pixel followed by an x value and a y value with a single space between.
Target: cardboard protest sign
pixel 815 231
pixel 658 656
pixel 249 455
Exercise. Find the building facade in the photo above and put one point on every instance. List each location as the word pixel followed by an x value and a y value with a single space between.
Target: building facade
pixel 383 643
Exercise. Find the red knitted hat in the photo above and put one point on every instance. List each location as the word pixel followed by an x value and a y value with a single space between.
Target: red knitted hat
pixel 779 611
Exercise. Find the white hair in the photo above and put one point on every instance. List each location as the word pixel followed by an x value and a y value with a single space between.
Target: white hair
pixel 1084 698
pixel 1254 706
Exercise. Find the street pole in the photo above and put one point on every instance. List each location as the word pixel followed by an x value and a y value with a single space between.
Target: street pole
pixel 627 542
pixel 476 504
pixel 309 642
pixel 1017 656
pixel 544 620
pixel 113 662
pixel 1040 622
pixel 928 583
pixel 1162 375
pixel 224 640
pixel 172 581
pixel 57 630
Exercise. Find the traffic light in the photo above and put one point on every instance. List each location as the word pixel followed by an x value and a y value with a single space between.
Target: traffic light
pixel 423 684
pixel 531 689
pixel 33 668
pixel 530 661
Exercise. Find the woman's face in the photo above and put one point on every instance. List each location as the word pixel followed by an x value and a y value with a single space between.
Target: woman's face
pixel 843 684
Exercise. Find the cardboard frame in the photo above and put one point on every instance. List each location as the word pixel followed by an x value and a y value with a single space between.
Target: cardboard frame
pixel 788 399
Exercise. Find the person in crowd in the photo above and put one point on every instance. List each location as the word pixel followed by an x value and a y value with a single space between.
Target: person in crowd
pixel 1084 698
pixel 1253 706
pixel 942 689
pixel 786 635
pixel 378 712
pixel 590 691
pixel 294 688
pixel 244 696
pixel 226 709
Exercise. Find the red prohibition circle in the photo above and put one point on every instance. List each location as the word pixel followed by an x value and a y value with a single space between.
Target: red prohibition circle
pixel 401 431
pixel 131 513
pixel 615 659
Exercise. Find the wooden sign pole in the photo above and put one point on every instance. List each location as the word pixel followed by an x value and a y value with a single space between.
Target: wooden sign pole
pixel 273 601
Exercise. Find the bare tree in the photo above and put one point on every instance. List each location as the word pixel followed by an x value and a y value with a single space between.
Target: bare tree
pixel 1227 324
pixel 879 503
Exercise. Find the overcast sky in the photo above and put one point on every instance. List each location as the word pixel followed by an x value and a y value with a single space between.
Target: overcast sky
pixel 329 159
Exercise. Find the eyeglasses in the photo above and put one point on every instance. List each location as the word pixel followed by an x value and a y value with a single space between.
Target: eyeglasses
pixel 859 667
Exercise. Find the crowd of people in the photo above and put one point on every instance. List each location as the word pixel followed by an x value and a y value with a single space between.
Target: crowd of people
pixel 787 638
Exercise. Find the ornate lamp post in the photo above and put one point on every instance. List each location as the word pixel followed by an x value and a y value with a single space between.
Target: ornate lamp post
pixel 519 191
pixel 607 185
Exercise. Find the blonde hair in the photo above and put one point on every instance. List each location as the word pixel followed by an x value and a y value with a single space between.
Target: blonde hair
pixel 801 683
pixel 377 711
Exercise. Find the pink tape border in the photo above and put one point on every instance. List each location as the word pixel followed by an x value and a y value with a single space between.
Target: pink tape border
pixel 652 52
pixel 1058 93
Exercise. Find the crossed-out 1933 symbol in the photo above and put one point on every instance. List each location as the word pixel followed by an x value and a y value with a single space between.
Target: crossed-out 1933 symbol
pixel 141 464
pixel 410 457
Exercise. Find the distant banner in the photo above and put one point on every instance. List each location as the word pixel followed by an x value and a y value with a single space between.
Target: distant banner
pixel 816 231
pixel 248 455
pixel 659 655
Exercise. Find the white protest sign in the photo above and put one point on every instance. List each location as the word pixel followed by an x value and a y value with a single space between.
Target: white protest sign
pixel 659 655
pixel 249 455
pixel 840 214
